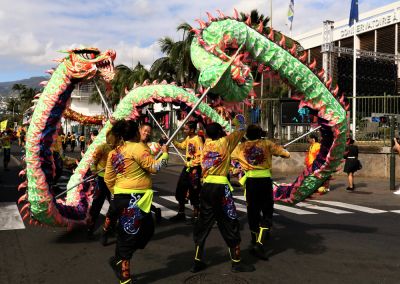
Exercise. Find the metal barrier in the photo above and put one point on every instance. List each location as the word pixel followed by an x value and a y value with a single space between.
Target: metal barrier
pixel 372 119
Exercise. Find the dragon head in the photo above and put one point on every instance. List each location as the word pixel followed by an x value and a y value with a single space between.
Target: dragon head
pixel 87 62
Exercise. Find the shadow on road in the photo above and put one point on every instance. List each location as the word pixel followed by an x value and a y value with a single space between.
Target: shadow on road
pixel 296 236
pixel 181 263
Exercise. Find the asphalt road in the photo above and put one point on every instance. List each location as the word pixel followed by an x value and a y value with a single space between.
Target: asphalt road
pixel 354 241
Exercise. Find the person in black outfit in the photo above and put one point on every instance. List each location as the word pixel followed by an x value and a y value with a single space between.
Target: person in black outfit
pixel 352 163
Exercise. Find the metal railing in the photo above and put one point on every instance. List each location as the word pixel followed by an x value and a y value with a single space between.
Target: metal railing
pixel 372 119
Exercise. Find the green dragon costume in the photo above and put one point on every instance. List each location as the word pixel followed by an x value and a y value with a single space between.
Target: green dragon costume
pixel 211 51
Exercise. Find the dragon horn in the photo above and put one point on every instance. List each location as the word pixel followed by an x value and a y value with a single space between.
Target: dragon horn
pixel 195 31
pixel 321 73
pixel 282 42
pixel 24 208
pixel 221 15
pixel 313 64
pixel 271 34
pixel 336 90
pixel 303 57
pixel 22 198
pixel 22 185
pixel 43 83
pixel 248 21
pixel 260 27
pixel 235 14
pixel 201 23
pixel 210 17
pixel 22 173
pixel 25 216
pixel 293 49
pixel 329 82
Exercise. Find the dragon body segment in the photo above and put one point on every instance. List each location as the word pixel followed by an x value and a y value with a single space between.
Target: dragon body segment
pixel 212 48
pixel 80 64
pixel 130 107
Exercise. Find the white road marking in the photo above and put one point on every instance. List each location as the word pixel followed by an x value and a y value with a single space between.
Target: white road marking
pixel 165 212
pixel 293 210
pixel 322 208
pixel 283 207
pixel 351 206
pixel 395 211
pixel 173 200
pixel 105 207
pixel 10 219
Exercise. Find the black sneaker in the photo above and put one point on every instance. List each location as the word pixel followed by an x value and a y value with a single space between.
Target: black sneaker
pixel 242 267
pixel 258 251
pixel 350 189
pixel 178 217
pixel 198 266
pixel 157 213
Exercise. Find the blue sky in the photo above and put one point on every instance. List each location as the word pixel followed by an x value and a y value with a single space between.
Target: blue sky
pixel 32 31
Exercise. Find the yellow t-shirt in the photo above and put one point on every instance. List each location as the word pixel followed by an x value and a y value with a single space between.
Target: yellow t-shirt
pixel 82 138
pixel 216 156
pixel 257 154
pixel 129 167
pixel 57 145
pixel 100 156
pixel 6 141
pixel 194 147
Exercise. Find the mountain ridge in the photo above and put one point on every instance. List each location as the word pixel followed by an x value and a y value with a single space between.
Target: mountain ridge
pixel 32 82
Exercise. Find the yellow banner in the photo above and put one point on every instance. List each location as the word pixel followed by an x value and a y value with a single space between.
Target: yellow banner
pixel 3 125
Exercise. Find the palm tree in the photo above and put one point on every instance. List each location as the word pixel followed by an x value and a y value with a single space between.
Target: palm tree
pixel 25 97
pixel 177 64
pixel 124 79
pixel 13 105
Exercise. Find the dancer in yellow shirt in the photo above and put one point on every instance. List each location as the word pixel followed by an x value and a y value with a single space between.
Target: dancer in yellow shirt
pixel 189 181
pixel 127 175
pixel 255 158
pixel 216 201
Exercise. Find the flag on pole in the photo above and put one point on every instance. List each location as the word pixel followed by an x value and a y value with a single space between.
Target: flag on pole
pixel 290 14
pixel 353 12
pixel 3 125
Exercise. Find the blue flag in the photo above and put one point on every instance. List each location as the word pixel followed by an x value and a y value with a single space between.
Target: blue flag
pixel 353 12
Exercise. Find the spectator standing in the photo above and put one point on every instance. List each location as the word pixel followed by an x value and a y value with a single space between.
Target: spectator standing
pixel 352 163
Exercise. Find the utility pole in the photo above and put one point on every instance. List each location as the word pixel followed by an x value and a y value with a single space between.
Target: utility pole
pixel 392 183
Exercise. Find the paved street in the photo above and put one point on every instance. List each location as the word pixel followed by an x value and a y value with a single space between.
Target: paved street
pixel 339 237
